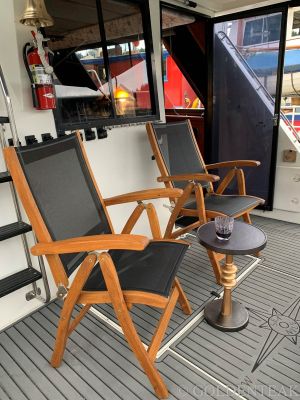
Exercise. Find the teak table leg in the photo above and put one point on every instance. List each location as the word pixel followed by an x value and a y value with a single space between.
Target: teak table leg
pixel 226 314
pixel 228 281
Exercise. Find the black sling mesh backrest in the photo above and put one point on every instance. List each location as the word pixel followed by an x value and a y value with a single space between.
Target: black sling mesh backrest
pixel 178 150
pixel 63 189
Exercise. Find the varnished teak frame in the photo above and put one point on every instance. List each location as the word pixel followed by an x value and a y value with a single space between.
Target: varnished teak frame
pixel 194 188
pixel 121 301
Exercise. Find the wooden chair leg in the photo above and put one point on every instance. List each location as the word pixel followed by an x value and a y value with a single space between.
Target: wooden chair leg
pixel 122 313
pixel 246 218
pixel 69 303
pixel 182 299
pixel 78 318
pixel 163 324
pixel 62 334
pixel 215 264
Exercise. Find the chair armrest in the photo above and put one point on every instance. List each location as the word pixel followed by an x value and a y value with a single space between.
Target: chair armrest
pixel 232 164
pixel 143 195
pixel 189 177
pixel 92 243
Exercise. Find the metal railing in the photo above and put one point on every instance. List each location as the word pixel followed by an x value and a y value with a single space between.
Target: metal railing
pixel 36 292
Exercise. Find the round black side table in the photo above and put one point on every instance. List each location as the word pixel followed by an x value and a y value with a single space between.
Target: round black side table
pixel 226 314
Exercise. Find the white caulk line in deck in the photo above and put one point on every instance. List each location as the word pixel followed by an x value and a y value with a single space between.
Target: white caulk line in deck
pixel 253 257
pixel 165 348
pixel 106 319
pixel 252 266
pixel 219 383
pixel 198 318
pixel 280 272
pixel 110 322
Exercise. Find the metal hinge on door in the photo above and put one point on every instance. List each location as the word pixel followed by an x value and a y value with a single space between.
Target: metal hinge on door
pixel 275 120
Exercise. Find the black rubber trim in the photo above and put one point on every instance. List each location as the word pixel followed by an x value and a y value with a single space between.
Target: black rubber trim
pixel 5 177
pixel 4 120
pixel 14 229
pixel 18 280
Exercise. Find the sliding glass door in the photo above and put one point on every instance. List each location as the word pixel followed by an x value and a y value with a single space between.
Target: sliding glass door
pixel 247 64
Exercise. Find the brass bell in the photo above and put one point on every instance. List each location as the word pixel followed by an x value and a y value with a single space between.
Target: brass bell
pixel 36 14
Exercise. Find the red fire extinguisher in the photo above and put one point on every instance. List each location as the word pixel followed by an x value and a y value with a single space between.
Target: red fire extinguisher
pixel 40 74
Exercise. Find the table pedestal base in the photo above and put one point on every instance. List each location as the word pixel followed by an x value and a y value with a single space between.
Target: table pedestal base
pixel 238 319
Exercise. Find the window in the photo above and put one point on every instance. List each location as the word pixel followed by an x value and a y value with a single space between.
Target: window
pixel 262 30
pixel 178 93
pixel 102 62
pixel 296 24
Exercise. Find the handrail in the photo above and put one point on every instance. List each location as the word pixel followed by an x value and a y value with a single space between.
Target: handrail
pixel 35 293
pixel 222 36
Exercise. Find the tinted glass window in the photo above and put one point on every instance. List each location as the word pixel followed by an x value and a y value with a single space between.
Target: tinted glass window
pixel 253 32
pixel 262 30
pixel 100 79
pixel 127 53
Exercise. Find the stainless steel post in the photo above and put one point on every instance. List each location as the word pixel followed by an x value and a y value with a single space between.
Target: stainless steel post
pixel 35 293
pixel 9 109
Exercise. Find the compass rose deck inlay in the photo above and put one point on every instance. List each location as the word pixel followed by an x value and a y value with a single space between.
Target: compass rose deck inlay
pixel 284 325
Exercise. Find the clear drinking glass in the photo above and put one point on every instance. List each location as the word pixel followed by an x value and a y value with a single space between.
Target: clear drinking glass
pixel 224 227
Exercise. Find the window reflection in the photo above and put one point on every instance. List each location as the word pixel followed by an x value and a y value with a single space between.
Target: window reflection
pixel 129 76
pixel 296 24
pixel 262 30
pixel 101 60
pixel 81 86
pixel 178 92
pixel 80 80
pixel 257 41
pixel 176 28
pixel 127 58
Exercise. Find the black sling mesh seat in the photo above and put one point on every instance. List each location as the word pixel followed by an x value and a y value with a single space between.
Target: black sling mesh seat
pixel 181 166
pixel 225 204
pixel 151 270
pixel 69 217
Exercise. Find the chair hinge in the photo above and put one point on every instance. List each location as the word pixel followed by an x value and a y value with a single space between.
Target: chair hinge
pixel 170 207
pixel 62 291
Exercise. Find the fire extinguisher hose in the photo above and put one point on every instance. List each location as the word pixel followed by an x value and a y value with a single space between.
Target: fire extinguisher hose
pixel 32 84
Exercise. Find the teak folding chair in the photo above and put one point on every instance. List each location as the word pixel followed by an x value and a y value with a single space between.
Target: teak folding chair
pixel 181 166
pixel 69 217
